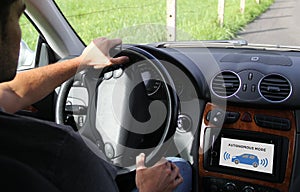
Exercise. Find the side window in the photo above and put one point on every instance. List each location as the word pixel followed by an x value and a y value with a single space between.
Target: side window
pixel 28 45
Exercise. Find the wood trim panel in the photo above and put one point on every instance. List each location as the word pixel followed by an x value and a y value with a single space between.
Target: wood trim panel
pixel 251 126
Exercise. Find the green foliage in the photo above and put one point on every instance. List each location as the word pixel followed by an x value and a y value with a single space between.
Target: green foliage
pixel 29 34
pixel 145 21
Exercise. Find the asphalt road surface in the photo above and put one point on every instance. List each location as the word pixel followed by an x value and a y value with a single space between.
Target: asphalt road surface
pixel 279 25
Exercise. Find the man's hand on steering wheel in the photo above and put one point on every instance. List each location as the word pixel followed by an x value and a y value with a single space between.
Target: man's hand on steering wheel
pixel 96 54
pixel 163 176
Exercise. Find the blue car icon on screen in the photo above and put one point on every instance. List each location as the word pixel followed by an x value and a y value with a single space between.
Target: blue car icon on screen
pixel 247 159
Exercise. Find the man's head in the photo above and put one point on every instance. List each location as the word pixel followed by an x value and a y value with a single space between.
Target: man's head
pixel 10 36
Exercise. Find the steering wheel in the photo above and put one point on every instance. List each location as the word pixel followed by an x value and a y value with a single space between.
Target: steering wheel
pixel 132 108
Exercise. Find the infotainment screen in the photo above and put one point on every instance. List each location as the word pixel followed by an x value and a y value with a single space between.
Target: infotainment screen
pixel 247 155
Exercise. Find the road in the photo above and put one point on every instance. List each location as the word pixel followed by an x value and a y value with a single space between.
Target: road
pixel 279 25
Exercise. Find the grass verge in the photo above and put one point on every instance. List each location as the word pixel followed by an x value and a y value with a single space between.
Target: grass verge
pixel 145 21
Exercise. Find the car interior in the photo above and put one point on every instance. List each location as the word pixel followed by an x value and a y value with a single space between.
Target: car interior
pixel 228 107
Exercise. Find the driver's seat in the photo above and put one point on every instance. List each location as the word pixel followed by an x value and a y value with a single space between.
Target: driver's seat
pixel 16 176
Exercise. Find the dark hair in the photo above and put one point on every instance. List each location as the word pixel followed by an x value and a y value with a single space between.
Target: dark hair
pixel 4 13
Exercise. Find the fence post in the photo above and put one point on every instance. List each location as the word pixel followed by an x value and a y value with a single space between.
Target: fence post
pixel 221 11
pixel 257 1
pixel 171 20
pixel 243 5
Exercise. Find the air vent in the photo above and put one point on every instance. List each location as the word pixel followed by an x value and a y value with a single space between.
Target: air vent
pixel 275 88
pixel 272 122
pixel 225 84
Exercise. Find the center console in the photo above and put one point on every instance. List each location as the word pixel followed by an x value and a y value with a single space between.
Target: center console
pixel 246 150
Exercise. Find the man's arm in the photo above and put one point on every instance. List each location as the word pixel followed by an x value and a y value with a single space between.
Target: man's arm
pixel 31 86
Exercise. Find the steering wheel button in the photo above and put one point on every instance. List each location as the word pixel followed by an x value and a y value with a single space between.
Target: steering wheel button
pixel 118 73
pixel 108 75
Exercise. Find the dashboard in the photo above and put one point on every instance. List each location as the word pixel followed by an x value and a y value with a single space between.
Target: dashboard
pixel 240 107
pixel 238 115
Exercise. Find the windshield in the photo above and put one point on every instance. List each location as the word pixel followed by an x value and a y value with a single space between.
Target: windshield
pixel 170 20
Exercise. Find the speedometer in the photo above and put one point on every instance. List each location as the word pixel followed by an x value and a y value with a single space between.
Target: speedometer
pixel 151 78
